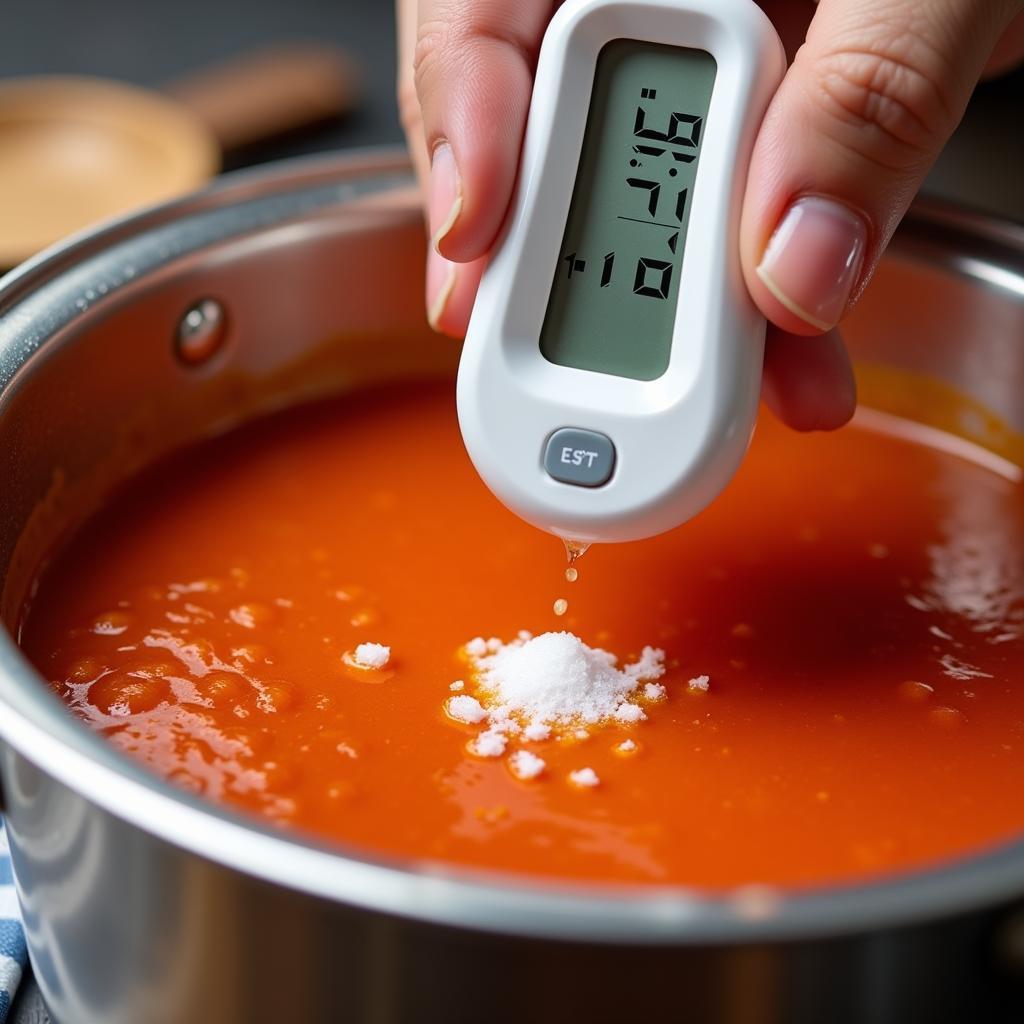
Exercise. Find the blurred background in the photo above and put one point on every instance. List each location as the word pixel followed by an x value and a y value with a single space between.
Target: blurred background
pixel 157 43
pixel 154 42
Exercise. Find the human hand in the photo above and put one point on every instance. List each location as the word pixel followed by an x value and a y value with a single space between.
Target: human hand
pixel 874 91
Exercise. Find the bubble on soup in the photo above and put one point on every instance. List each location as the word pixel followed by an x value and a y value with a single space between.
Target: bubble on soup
pixel 222 688
pixel 121 693
pixel 111 623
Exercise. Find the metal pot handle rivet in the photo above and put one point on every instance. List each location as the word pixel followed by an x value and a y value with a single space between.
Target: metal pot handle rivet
pixel 201 332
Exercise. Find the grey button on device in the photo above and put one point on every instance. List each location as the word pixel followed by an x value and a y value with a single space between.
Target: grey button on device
pixel 581 457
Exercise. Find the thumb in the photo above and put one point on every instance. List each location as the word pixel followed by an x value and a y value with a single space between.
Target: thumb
pixel 870 100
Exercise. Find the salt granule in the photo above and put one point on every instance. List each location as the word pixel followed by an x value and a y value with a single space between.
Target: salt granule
pixel 555 678
pixel 457 685
pixel 651 664
pixel 506 726
pixel 586 777
pixel 525 765
pixel 700 684
pixel 627 746
pixel 477 647
pixel 372 655
pixel 489 744
pixel 654 691
pixel 466 709
pixel 629 713
pixel 536 731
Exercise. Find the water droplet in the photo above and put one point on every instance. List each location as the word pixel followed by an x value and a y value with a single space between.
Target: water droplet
pixel 561 606
pixel 574 550
pixel 571 574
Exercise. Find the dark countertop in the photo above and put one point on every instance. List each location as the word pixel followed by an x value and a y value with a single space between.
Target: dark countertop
pixel 155 41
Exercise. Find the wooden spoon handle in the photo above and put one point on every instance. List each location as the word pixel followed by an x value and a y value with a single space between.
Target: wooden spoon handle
pixel 261 95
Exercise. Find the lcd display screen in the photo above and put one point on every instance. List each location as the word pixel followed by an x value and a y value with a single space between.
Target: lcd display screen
pixel 613 300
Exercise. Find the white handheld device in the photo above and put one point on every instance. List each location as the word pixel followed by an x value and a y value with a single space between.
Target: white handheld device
pixel 609 381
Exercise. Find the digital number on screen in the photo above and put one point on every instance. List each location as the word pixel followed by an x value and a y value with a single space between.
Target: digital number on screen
pixel 613 299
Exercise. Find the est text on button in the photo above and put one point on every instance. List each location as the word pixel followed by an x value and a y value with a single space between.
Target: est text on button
pixel 578 456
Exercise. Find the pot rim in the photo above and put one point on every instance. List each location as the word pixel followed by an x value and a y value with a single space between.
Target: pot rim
pixel 35 723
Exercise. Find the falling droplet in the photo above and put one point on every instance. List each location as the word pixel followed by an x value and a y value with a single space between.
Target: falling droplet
pixel 571 574
pixel 574 550
pixel 561 606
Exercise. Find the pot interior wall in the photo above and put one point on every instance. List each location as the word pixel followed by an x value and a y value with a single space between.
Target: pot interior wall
pixel 938 335
pixel 312 308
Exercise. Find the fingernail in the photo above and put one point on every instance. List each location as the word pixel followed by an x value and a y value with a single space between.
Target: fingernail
pixel 445 202
pixel 813 259
pixel 441 276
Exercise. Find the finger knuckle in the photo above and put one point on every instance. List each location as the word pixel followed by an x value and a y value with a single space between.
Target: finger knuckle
pixel 428 54
pixel 888 100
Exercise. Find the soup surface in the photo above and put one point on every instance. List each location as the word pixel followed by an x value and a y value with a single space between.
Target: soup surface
pixel 855 599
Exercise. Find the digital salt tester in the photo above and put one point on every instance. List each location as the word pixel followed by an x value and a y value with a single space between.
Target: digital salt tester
pixel 610 376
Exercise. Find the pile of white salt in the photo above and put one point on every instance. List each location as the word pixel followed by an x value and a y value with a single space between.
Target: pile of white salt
pixel 555 679
pixel 534 685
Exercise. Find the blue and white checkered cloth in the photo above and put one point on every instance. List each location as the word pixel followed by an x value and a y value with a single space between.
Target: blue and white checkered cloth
pixel 13 953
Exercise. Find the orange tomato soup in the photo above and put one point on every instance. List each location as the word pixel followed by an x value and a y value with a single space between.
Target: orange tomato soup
pixel 856 599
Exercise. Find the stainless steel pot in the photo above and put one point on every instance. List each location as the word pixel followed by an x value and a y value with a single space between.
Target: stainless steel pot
pixel 145 905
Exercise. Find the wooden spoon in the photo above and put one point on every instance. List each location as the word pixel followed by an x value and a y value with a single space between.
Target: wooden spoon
pixel 76 150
